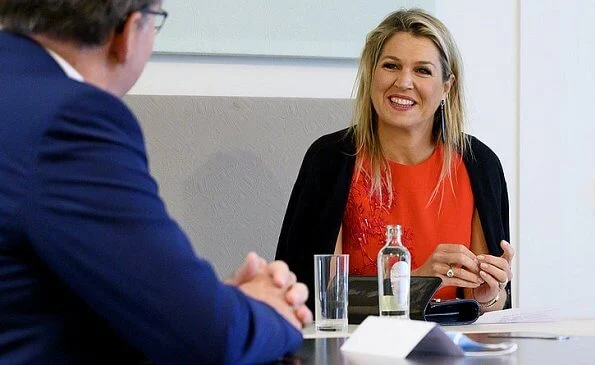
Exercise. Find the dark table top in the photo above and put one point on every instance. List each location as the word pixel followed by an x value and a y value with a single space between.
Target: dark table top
pixel 574 350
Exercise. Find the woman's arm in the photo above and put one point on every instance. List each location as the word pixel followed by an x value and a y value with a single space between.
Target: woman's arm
pixel 495 271
pixel 339 244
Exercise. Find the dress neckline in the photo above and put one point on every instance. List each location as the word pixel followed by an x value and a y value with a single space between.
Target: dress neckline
pixel 436 153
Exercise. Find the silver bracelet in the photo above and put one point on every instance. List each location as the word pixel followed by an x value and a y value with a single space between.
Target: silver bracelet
pixel 489 303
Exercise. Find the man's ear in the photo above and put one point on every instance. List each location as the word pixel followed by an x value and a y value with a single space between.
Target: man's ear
pixel 122 43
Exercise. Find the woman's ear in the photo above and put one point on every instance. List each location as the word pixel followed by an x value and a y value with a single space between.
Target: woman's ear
pixel 448 84
pixel 121 44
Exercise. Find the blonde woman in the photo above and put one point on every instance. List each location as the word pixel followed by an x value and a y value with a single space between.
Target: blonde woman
pixel 406 160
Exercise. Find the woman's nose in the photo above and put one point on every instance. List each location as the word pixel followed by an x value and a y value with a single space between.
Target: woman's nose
pixel 403 80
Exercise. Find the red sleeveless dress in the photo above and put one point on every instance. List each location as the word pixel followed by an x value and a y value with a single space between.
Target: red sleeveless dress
pixel 446 218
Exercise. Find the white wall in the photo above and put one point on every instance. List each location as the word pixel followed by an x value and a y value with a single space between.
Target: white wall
pixel 487 35
pixel 557 155
pixel 246 76
pixel 522 107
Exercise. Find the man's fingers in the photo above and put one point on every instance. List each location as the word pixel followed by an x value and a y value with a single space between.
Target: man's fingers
pixel 291 317
pixel 304 315
pixel 281 275
pixel 252 263
pixel 247 271
pixel 297 294
pixel 261 263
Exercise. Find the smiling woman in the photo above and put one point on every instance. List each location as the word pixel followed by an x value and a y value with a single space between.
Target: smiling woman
pixel 406 160
pixel 407 88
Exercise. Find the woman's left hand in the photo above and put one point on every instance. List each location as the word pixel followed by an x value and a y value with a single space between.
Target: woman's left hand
pixel 496 273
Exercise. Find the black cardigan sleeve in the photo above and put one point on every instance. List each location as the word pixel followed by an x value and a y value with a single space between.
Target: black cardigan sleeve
pixel 316 205
pixel 491 196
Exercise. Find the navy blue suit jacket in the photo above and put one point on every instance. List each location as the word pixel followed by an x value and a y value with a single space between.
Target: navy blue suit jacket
pixel 92 268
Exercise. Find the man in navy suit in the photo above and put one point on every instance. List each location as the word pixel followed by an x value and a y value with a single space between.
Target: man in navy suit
pixel 92 268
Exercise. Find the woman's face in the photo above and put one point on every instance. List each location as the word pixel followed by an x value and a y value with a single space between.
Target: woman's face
pixel 407 84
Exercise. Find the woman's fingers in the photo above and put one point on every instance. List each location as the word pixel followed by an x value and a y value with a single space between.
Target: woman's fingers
pixel 455 254
pixel 490 280
pixel 454 281
pixel 498 267
pixel 508 251
pixel 494 276
pixel 457 276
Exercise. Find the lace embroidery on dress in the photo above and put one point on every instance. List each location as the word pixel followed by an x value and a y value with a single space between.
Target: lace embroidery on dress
pixel 364 226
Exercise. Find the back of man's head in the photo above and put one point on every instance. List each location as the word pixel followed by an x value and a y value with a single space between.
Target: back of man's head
pixel 84 22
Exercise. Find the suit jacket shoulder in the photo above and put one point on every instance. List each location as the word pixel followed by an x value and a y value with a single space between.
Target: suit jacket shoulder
pixel 90 259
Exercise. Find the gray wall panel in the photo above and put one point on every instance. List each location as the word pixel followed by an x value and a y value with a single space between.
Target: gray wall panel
pixel 226 165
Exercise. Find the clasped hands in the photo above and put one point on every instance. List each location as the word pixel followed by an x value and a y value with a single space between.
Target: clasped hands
pixel 274 284
pixel 458 266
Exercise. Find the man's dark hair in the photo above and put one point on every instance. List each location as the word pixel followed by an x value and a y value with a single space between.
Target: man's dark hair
pixel 86 22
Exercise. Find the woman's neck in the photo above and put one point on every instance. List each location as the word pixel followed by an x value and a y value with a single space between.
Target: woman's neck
pixel 404 146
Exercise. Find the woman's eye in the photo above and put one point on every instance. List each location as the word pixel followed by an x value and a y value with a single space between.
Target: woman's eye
pixel 390 66
pixel 424 71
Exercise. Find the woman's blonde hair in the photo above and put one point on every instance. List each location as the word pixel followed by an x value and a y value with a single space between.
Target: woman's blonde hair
pixel 365 119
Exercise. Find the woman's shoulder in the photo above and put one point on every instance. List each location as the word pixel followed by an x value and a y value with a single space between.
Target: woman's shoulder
pixel 339 142
pixel 479 153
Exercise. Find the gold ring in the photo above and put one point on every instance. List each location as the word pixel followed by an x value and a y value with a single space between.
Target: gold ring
pixel 450 273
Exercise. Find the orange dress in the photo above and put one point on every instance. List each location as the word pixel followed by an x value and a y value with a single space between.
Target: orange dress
pixel 447 218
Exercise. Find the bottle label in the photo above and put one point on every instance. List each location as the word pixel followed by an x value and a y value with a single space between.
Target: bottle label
pixel 400 278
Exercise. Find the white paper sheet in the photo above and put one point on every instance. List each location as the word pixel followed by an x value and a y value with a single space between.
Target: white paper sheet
pixel 532 315
pixel 393 338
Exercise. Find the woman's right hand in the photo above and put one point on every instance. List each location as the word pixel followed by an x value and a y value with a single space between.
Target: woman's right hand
pixel 455 257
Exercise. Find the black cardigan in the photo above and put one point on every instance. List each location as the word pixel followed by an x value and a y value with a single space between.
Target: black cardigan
pixel 317 203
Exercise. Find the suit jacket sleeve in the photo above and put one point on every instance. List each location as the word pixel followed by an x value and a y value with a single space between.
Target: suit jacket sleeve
pixel 95 217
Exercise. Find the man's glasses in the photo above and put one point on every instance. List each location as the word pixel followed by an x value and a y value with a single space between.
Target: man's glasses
pixel 160 16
